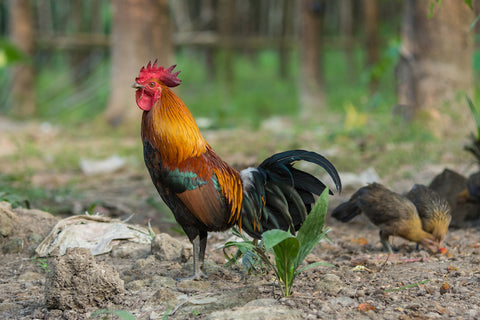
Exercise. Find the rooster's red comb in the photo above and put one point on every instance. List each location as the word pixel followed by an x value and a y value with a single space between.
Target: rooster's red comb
pixel 165 75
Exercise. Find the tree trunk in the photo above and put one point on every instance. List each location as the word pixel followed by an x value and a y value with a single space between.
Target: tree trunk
pixel 226 15
pixel 372 42
pixel 346 31
pixel 312 88
pixel 225 25
pixel 23 77
pixel 141 32
pixel 435 64
pixel 284 48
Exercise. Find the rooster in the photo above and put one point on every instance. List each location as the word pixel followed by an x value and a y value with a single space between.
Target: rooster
pixel 434 211
pixel 204 192
pixel 393 213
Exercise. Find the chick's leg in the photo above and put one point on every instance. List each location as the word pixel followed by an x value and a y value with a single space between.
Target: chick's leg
pixel 384 239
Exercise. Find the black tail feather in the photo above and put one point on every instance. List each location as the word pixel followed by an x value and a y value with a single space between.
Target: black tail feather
pixel 284 161
pixel 279 196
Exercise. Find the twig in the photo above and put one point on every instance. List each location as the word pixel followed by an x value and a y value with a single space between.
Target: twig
pixel 385 262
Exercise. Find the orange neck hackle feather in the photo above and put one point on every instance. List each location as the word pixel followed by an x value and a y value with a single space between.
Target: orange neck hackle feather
pixel 180 137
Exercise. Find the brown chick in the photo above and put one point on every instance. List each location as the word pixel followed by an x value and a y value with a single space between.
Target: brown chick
pixel 472 191
pixel 393 213
pixel 434 211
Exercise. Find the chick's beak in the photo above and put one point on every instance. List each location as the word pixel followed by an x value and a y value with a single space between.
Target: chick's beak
pixel 431 245
pixel 137 86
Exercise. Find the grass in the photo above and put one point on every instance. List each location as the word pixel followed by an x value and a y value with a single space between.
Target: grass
pixel 417 284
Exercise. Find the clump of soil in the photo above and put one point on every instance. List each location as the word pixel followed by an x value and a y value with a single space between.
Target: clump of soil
pixel 77 281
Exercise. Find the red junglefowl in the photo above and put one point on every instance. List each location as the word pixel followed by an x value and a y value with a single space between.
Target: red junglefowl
pixel 204 192
pixel 394 214
pixel 434 211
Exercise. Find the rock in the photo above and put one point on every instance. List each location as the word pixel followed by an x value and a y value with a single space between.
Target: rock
pixel 191 284
pixel 148 262
pixel 7 220
pixel 165 247
pixel 131 250
pixel 211 302
pixel 355 181
pixel 30 276
pixel 330 283
pixel 35 238
pixel 7 306
pixel 164 295
pixel 14 245
pixel 249 312
pixel 77 281
pixel 262 302
pixel 153 282
pixel 108 165
pixel 20 228
pixel 342 302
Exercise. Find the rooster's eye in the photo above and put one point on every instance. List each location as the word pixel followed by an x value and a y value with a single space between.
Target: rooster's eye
pixel 151 84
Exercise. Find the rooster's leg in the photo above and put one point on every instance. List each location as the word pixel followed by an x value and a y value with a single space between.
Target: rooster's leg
pixel 199 245
pixel 201 252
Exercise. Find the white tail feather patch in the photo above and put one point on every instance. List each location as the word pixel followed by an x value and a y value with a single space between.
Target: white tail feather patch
pixel 247 177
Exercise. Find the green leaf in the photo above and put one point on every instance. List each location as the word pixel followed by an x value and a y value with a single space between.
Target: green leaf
pixel 469 3
pixel 285 253
pixel 273 237
pixel 311 231
pixel 242 246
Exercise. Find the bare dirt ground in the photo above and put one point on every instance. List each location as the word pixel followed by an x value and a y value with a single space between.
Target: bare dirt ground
pixel 363 284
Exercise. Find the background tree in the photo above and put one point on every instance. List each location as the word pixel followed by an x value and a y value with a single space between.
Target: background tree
pixel 372 42
pixel 346 33
pixel 138 35
pixel 23 76
pixel 312 85
pixel 435 62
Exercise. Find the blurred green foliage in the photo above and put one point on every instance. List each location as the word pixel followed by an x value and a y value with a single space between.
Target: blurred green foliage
pixel 10 54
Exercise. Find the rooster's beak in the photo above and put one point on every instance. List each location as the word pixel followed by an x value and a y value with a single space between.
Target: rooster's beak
pixel 137 86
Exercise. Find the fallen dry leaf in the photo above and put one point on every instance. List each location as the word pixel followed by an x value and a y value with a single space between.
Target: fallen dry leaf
pixel 445 288
pixel 366 306
pixel 360 241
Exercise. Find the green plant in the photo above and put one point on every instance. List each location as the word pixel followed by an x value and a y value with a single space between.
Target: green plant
pixel 249 251
pixel 290 250
pixel 14 199
pixel 10 54
pixel 42 263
